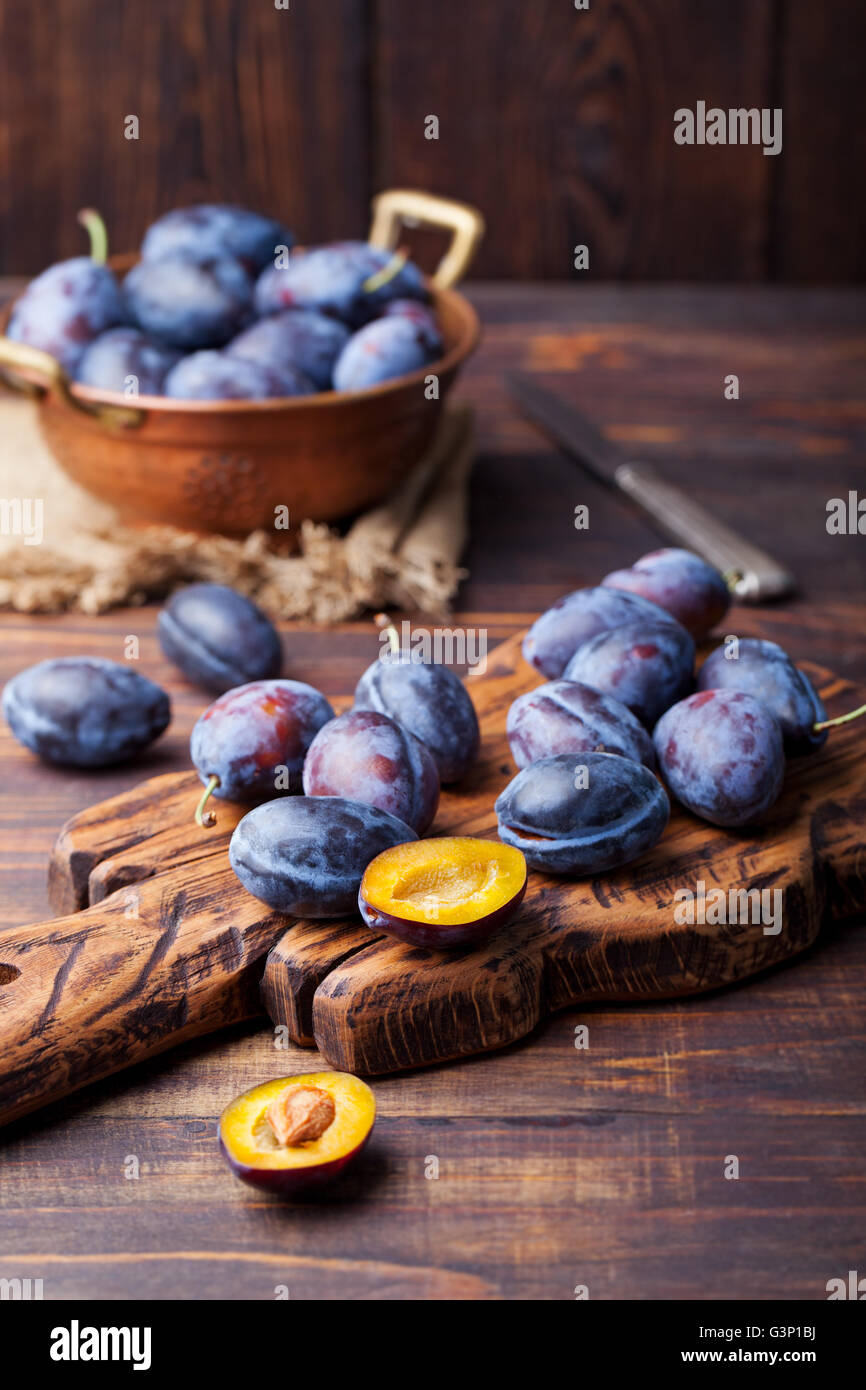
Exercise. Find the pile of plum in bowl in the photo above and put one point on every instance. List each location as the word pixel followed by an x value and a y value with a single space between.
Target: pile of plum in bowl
pixel 224 374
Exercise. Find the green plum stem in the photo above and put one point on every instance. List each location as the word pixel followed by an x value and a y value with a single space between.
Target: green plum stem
pixel 384 624
pixel 207 819
pixel 842 719
pixel 394 266
pixel 94 225
pixel 732 579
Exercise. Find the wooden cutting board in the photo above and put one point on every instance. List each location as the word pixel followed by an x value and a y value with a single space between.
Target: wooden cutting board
pixel 157 942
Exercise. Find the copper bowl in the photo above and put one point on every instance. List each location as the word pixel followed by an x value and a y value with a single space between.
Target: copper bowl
pixel 226 466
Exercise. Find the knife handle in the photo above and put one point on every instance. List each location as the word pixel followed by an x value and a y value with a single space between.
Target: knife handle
pixel 751 574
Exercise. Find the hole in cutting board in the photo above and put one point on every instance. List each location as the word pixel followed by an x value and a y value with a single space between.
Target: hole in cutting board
pixel 8 973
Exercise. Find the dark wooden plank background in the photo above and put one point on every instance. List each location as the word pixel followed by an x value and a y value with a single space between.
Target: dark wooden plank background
pixel 557 123
pixel 557 1167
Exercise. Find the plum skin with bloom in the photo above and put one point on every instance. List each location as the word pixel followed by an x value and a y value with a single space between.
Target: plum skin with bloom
pixel 123 353
pixel 554 638
pixel 431 702
pixel 188 303
pixel 764 669
pixel 84 711
pixel 218 638
pixel 722 756
pixel 566 716
pixel 217 376
pixel 306 855
pixel 369 757
pixel 248 735
pixel 300 339
pixel 207 230
pixel 65 308
pixel 332 279
pixel 382 350
pixel 647 666
pixel 680 582
pixel 423 318
pixel 565 825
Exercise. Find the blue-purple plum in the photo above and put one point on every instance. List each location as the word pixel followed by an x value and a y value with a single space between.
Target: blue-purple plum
pixel 65 308
pixel 764 670
pixel 721 754
pixel 584 814
pixel 254 738
pixel 301 339
pixel 566 717
pixel 553 638
pixel 371 758
pixel 84 711
pixel 207 230
pixel 331 279
pixel 422 316
pixel 428 700
pixel 306 855
pixel 680 582
pixel 381 351
pixel 125 358
pixel 217 376
pixel 189 303
pixel 218 638
pixel 647 666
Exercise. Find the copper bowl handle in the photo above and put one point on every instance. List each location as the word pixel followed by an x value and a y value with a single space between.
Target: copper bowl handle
pixel 37 374
pixel 411 208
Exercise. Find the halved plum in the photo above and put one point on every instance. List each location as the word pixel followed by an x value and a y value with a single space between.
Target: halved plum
pixel 443 892
pixel 297 1132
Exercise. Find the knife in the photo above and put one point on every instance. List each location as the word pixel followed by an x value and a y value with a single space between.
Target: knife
pixel 751 574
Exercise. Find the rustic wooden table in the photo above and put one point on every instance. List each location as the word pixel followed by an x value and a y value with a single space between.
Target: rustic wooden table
pixel 557 1167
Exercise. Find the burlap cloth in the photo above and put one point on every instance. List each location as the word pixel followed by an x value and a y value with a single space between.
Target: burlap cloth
pixel 404 553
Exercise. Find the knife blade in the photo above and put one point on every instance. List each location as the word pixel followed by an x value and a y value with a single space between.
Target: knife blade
pixel 751 574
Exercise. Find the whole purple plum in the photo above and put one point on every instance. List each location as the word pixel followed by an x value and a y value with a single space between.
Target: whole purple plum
pixel 384 349
pixel 123 358
pixel 680 582
pixel 566 717
pixel 189 303
pixel 217 376
pixel 645 665
pixel 298 338
pixel 380 763
pixel 251 743
pixel 553 638
pixel 65 308
pixel 428 700
pixel 208 230
pixel 332 278
pixel 722 755
pixel 306 855
pixel 84 711
pixel 218 637
pixel 765 670
pixel 422 316
pixel 582 815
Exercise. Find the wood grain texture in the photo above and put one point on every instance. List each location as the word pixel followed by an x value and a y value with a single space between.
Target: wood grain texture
pixel 818 230
pixel 236 102
pixel 559 123
pixel 648 365
pixel 86 995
